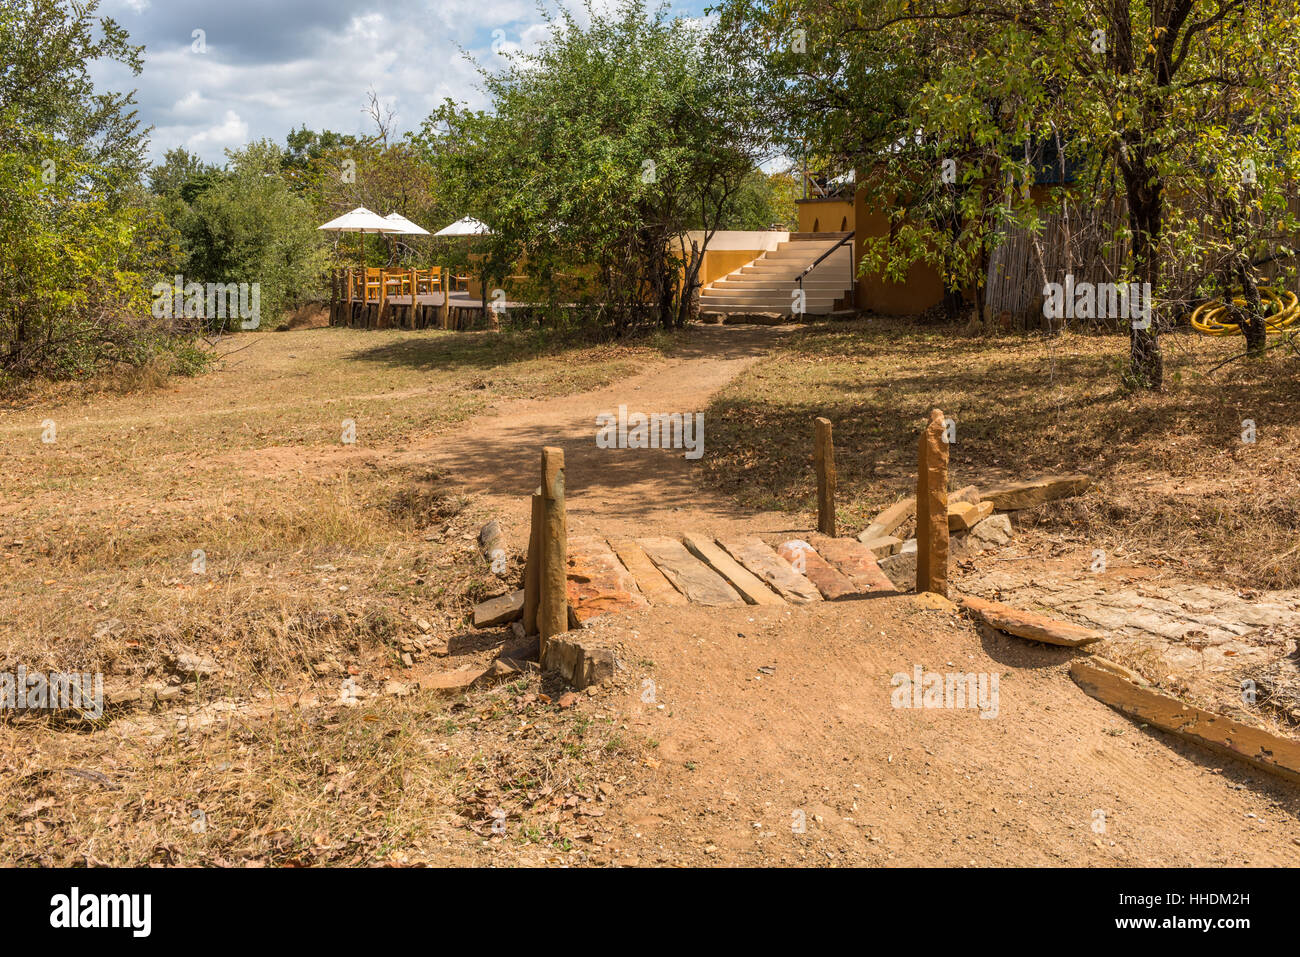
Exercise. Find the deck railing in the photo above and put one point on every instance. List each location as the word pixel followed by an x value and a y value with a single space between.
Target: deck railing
pixel 384 283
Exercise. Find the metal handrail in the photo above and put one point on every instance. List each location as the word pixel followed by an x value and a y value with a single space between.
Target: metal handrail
pixel 817 262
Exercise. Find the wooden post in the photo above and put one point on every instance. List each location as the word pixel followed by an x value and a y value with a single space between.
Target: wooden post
pixel 410 316
pixel 932 508
pixel 824 458
pixel 533 570
pixel 444 311
pixel 553 604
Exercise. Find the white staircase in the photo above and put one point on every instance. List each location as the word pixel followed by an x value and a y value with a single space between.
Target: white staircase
pixel 768 283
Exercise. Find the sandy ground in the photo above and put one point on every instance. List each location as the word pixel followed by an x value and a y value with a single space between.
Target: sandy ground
pixel 746 757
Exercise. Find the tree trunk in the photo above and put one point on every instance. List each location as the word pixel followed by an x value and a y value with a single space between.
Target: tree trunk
pixel 1145 213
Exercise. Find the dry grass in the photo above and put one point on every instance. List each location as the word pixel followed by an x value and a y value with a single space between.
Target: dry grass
pixel 1175 480
pixel 337 563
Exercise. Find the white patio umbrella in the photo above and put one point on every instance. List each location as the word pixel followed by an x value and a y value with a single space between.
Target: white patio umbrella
pixel 402 226
pixel 360 220
pixel 469 226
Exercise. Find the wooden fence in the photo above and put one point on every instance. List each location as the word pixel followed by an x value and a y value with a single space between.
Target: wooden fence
pixel 1082 243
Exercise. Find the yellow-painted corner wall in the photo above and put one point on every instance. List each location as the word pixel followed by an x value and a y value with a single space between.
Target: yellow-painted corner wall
pixel 825 215
pixel 921 290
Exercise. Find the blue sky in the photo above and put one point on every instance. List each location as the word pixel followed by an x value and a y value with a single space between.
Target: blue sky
pixel 266 66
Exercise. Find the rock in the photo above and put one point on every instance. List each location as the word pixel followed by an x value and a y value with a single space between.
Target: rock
pixel 757 556
pixel 566 700
pixel 855 561
pixel 880 547
pixel 500 610
pixel 908 547
pixel 832 583
pixel 1017 495
pixel 187 664
pixel 932 508
pixel 576 661
pixel 969 494
pixel 493 543
pixel 504 668
pixel 597 582
pixel 423 625
pixel 398 689
pixel 900 568
pixel 888 520
pixel 517 630
pixel 962 516
pixel 699 583
pixel 994 530
pixel 453 681
pixel 1028 624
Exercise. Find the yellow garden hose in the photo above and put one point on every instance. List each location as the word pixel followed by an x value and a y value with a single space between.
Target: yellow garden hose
pixel 1285 312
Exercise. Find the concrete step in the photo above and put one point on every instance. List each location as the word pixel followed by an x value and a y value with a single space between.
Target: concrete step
pixel 812 310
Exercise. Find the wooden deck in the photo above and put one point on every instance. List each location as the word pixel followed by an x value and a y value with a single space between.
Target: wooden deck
pixel 391 298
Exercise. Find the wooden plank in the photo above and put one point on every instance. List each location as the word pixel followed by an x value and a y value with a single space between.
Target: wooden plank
pixel 1028 624
pixel 887 521
pixel 649 579
pixel 689 575
pixel 1260 749
pixel 597 582
pixel 831 583
pixel 763 561
pixel 751 589
pixel 855 561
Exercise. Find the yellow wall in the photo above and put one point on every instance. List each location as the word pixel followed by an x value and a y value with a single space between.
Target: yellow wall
pixel 825 215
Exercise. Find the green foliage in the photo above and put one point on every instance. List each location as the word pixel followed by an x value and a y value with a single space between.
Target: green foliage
pixel 1155 107
pixel 73 239
pixel 246 224
pixel 599 153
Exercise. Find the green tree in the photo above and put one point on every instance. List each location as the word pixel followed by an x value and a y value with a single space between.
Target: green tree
pixel 1142 96
pixel 250 226
pixel 602 150
pixel 74 239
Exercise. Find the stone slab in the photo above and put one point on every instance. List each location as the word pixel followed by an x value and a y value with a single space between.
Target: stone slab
pixel 657 589
pixel 597 583
pixel 830 582
pixel 750 587
pixel 763 561
pixel 690 576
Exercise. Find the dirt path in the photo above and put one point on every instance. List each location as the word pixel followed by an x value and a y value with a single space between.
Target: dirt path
pixel 742 756
pixel 610 491
pixel 1053 778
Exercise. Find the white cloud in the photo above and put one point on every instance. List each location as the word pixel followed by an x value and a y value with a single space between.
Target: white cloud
pixel 229 133
pixel 270 68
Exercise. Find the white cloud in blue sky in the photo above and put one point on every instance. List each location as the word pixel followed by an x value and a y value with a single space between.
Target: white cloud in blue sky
pixel 268 66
